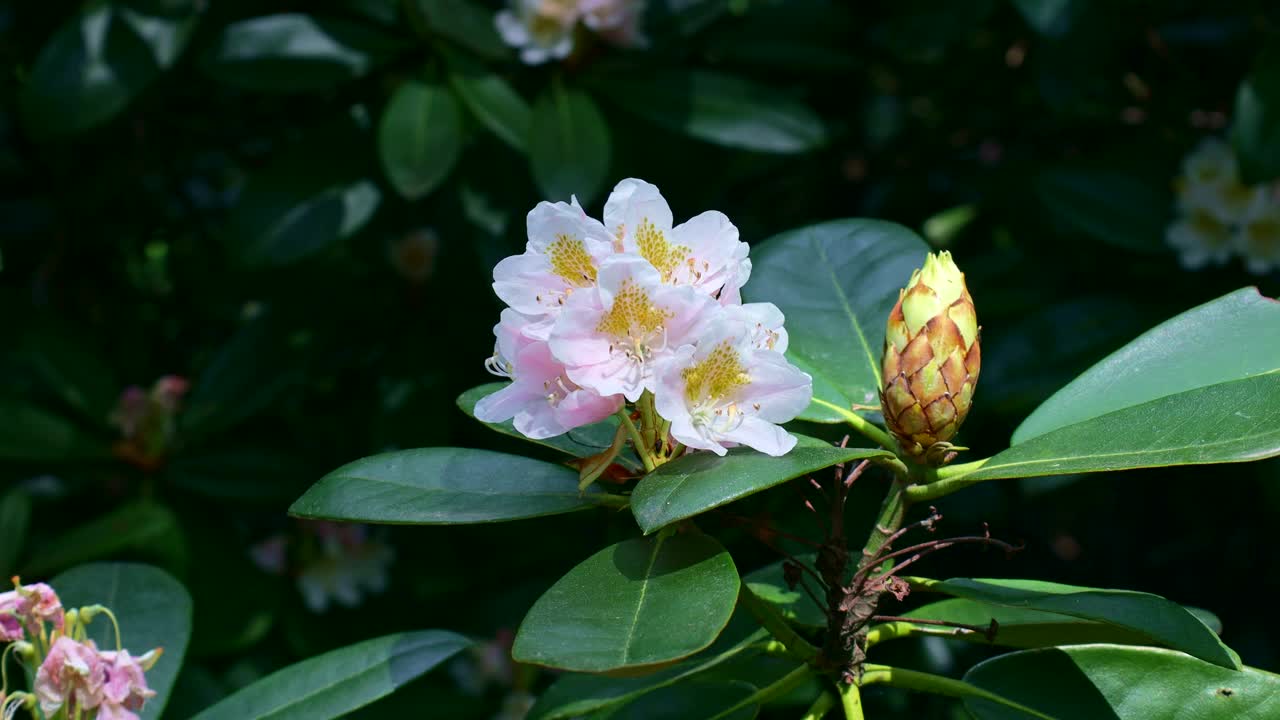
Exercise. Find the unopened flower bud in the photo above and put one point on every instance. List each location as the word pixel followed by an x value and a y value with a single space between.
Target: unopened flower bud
pixel 931 360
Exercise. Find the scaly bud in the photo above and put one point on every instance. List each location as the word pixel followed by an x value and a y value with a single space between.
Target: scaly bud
pixel 931 360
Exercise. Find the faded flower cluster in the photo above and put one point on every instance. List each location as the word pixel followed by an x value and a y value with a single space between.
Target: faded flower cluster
pixel 331 562
pixel 1219 216
pixel 147 420
pixel 543 29
pixel 71 675
pixel 601 313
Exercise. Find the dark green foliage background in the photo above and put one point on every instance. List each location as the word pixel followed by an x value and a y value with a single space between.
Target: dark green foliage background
pixel 140 235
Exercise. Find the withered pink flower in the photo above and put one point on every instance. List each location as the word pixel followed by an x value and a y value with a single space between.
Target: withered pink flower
pixel 125 685
pixel 72 673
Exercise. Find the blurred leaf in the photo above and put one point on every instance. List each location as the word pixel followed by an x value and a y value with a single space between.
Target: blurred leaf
pixel 493 102
pixel 443 486
pixel 15 516
pixel 1021 627
pixel 569 145
pixel 419 138
pixel 466 23
pixel 1255 127
pixel 574 695
pixel 1049 17
pixel 700 481
pixel 295 52
pixel 140 528
pixel 337 682
pixel 1120 682
pixel 579 442
pixel 1217 342
pixel 769 584
pixel 694 699
pixel 803 37
pixel 96 63
pixel 244 474
pixel 278 222
pixel 153 609
pixel 73 369
pixel 228 623
pixel 634 605
pixel 32 434
pixel 718 108
pixel 1111 205
pixel 245 376
pixel 1161 621
pixel 836 282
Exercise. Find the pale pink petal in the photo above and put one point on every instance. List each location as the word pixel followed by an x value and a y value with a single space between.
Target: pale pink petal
pixel 548 221
pixel 762 435
pixel 632 202
pixel 583 407
pixel 781 389
pixel 717 260
pixel 526 283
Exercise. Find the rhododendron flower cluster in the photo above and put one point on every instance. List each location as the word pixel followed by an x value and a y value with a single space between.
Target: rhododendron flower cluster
pixel 332 562
pixel 71 675
pixel 1220 216
pixel 543 29
pixel 637 309
pixel 147 420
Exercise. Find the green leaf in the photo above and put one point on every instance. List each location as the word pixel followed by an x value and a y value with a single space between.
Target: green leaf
pixel 1021 627
pixel 1255 125
pixel 836 283
pixel 465 22
pixel 579 442
pixel 419 138
pixel 141 528
pixel 340 681
pixel 240 474
pixel 633 605
pixel 1118 682
pixel 30 433
pixel 770 584
pixel 96 63
pixel 1162 622
pixel 1052 18
pixel 1111 204
pixel 72 368
pixel 15 516
pixel 1218 342
pixel 575 695
pixel 700 481
pixel 245 376
pixel 699 698
pixel 718 108
pixel 569 145
pixel 295 52
pixel 493 102
pixel 153 609
pixel 443 486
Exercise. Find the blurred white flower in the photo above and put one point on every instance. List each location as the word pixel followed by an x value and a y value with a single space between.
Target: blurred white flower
pixel 543 29
pixel 1201 238
pixel 1258 238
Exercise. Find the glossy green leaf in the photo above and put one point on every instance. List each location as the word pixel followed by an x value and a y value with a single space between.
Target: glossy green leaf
pixel 31 433
pixel 493 102
pixel 1255 124
pixel 1110 204
pixel 419 138
pixel 245 376
pixel 575 695
pixel 836 283
pixel 1119 682
pixel 636 604
pixel 295 52
pixel 1021 627
pixel 1162 622
pixel 15 516
pixel 153 609
pixel 579 442
pixel 569 144
pixel 701 481
pixel 1221 341
pixel 96 63
pixel 443 486
pixel 143 529
pixel 718 108
pixel 337 682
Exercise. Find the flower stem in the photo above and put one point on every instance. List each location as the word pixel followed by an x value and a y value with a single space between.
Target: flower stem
pixel 646 454
pixel 821 706
pixel 782 686
pixel 862 425
pixel 938 685
pixel 772 620
pixel 648 421
pixel 947 480
pixel 888 521
pixel 851 701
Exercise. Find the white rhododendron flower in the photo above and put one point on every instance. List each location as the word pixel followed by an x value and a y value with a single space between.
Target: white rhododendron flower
pixel 610 340
pixel 704 252
pixel 543 29
pixel 1258 239
pixel 563 255
pixel 637 310
pixel 726 389
pixel 1201 238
